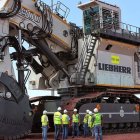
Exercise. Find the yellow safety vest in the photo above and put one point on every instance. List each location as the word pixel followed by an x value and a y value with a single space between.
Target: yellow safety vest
pixel 75 118
pixel 44 120
pixel 86 118
pixel 98 119
pixel 57 118
pixel 90 121
pixel 65 119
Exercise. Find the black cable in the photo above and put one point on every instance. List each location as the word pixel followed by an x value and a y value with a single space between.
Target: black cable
pixel 15 9
pixel 75 32
pixel 46 19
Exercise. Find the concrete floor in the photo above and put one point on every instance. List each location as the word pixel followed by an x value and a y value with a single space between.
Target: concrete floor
pixel 129 136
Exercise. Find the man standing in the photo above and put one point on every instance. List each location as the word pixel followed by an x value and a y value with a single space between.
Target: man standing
pixel 85 123
pixel 65 122
pixel 44 121
pixel 75 123
pixel 97 125
pixel 57 122
pixel 91 123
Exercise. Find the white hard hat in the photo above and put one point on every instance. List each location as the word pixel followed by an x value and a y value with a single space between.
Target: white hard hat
pixel 59 109
pixel 90 113
pixel 87 111
pixel 65 111
pixel 75 110
pixel 44 112
pixel 95 110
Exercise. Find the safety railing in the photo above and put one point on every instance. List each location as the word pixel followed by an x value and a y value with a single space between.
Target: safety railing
pixel 130 29
pixel 118 27
pixel 61 10
pixel 83 53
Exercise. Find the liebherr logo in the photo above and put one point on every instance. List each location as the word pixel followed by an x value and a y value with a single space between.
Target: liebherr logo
pixel 114 68
pixel 29 15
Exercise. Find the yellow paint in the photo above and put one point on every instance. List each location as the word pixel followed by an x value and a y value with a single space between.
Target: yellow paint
pixel 120 44
pixel 61 42
pixel 117 86
pixel 55 38
pixel 115 59
pixel 60 19
pixel 54 15
pixel 14 22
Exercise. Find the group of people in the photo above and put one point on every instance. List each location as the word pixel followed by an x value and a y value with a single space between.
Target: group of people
pixel 91 123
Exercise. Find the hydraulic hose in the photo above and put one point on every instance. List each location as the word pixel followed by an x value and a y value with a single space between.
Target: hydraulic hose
pixel 44 48
pixel 14 10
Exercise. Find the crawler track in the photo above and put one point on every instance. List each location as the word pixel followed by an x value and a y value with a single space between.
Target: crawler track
pixel 119 116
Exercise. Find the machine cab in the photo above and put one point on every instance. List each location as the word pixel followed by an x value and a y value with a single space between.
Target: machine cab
pixel 97 14
pixel 103 20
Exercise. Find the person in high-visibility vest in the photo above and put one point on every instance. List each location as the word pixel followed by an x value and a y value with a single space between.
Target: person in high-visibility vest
pixel 85 123
pixel 45 124
pixel 97 124
pixel 57 122
pixel 91 123
pixel 75 123
pixel 65 123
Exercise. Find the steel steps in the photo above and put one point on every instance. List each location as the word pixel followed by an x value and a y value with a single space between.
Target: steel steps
pixel 85 58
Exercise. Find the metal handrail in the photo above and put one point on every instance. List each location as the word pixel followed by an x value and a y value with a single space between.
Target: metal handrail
pixel 60 8
pixel 130 29
pixel 83 52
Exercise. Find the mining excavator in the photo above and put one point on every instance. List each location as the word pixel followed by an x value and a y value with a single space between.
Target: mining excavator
pixel 97 65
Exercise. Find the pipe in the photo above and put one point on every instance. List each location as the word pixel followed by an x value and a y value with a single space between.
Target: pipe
pixel 44 48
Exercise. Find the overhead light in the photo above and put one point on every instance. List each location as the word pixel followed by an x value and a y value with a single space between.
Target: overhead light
pixel 105 97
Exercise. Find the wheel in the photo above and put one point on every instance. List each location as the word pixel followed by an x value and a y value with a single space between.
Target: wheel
pixel 128 125
pixel 121 125
pixel 114 125
pixel 134 125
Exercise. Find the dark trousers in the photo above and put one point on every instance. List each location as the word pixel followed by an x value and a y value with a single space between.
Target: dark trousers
pixel 57 131
pixel 98 132
pixel 86 129
pixel 75 129
pixel 44 132
pixel 65 131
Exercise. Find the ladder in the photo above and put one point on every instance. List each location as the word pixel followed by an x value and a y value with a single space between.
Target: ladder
pixel 85 58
